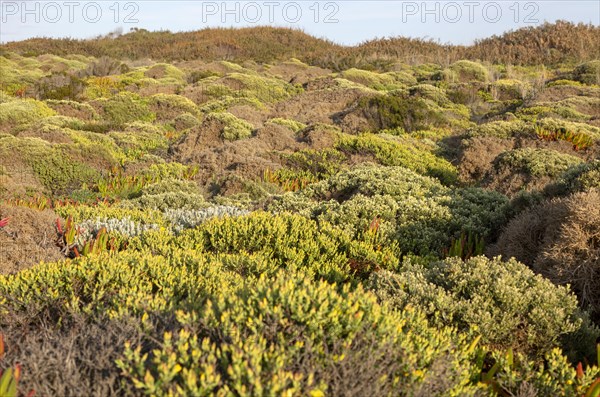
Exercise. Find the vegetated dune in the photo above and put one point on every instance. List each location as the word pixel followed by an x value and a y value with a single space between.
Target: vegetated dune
pixel 188 217
pixel 549 43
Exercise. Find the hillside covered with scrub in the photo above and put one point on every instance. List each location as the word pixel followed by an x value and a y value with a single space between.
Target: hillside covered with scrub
pixel 212 213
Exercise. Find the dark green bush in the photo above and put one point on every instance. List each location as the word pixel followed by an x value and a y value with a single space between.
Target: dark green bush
pixel 398 110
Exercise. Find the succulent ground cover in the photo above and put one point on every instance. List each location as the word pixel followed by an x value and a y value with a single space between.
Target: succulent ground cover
pixel 340 225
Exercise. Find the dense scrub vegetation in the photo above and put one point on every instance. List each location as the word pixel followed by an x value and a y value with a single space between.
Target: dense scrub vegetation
pixel 235 221
pixel 547 44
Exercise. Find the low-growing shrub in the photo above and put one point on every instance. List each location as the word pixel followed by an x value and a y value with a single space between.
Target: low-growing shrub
pixel 22 111
pixel 169 106
pixel 377 81
pixel 184 121
pixel 181 219
pixel 467 71
pixel 59 87
pixel 168 194
pixel 414 211
pixel 578 178
pixel 588 73
pixel 319 163
pixel 580 134
pixel 396 110
pixel 234 128
pixel 125 108
pixel 309 336
pixel 139 138
pixel 391 152
pixel 291 124
pixel 501 129
pixel 580 141
pixel 504 302
pixel 536 162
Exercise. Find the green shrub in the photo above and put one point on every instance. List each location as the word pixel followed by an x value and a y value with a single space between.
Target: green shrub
pixel 550 110
pixel 377 81
pixel 505 302
pixel 165 73
pixel 319 163
pixel 264 89
pixel 588 73
pixel 184 121
pixel 466 71
pixel 169 170
pixel 506 89
pixel 225 102
pixel 289 241
pixel 169 106
pixel 54 166
pixel 399 110
pixel 430 92
pixel 501 129
pixel 168 194
pixel 139 138
pixel 578 178
pixel 564 82
pixel 234 128
pixel 80 110
pixel 553 125
pixel 125 108
pixel 401 207
pixel 536 162
pixel 291 124
pixel 24 111
pixel 390 152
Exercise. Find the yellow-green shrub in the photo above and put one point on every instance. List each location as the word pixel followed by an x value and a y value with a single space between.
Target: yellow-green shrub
pixel 22 111
pixel 288 335
pixel 125 107
pixel 391 152
pixel 291 124
pixel 234 128
pixel 289 241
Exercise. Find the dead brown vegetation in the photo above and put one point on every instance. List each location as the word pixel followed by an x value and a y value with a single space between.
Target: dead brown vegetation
pixel 560 240
pixel 29 238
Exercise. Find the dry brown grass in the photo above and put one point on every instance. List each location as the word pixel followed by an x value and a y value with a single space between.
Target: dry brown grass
pixel 28 239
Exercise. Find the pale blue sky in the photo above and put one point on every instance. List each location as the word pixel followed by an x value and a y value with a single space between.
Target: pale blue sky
pixel 345 22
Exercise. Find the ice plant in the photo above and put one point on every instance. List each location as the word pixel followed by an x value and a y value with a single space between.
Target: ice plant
pixel 4 222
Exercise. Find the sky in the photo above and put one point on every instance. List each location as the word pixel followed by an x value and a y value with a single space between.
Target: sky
pixel 346 22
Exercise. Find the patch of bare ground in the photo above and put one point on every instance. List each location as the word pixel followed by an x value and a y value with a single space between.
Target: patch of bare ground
pixel 318 106
pixel 297 72
pixel 247 158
